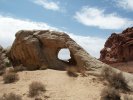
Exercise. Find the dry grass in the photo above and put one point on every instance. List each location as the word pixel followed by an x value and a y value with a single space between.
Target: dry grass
pixel 72 71
pixel 35 88
pixel 10 77
pixel 110 94
pixel 11 96
pixel 116 80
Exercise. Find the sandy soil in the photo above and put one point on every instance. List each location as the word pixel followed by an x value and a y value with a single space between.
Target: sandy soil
pixel 59 85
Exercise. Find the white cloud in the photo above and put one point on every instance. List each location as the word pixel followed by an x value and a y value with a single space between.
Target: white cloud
pixel 125 4
pixel 50 5
pixel 9 26
pixel 97 17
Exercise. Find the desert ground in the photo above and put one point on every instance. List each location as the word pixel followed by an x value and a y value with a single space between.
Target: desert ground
pixel 59 86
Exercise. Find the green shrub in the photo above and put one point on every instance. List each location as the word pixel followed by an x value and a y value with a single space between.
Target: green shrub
pixel 35 88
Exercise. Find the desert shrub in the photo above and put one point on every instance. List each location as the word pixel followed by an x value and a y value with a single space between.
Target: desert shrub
pixel 107 72
pixel 35 88
pixel 8 64
pixel 110 94
pixel 116 80
pixel 10 77
pixel 11 96
pixel 71 71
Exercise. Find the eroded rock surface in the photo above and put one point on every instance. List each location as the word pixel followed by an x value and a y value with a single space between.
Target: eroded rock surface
pixel 39 49
pixel 118 47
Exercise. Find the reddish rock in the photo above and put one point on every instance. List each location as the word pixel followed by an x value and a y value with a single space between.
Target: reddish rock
pixel 118 47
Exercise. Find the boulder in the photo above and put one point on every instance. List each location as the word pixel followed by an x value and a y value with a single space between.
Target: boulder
pixel 118 47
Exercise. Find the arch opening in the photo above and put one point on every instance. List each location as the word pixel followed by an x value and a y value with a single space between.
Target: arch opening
pixel 66 56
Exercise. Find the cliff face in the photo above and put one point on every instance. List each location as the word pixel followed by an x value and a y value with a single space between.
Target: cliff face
pixel 118 47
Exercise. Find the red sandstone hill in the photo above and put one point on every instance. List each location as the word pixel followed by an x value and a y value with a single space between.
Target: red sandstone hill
pixel 118 50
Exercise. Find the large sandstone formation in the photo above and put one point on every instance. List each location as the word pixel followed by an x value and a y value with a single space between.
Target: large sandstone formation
pixel 118 47
pixel 39 49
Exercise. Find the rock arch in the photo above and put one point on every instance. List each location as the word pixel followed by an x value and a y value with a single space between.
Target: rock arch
pixel 39 49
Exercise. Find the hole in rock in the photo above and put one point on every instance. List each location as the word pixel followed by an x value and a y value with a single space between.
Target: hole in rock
pixel 64 54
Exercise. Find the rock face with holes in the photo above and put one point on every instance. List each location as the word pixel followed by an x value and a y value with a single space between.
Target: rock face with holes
pixel 118 47
pixel 39 50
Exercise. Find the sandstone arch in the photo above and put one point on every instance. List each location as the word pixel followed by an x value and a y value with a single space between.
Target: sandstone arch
pixel 39 48
pixel 36 49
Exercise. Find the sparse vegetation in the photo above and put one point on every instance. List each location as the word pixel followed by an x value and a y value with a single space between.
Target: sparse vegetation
pixel 10 77
pixel 116 80
pixel 35 88
pixel 11 96
pixel 71 71
pixel 8 64
pixel 110 94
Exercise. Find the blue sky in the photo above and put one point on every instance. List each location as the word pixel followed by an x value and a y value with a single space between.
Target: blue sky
pixel 88 22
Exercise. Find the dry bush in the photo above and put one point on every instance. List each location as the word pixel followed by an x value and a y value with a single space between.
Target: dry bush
pixel 116 80
pixel 11 96
pixel 10 77
pixel 35 88
pixel 8 64
pixel 72 71
pixel 110 94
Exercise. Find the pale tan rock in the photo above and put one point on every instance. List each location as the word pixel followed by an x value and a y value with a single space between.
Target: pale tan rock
pixel 39 48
